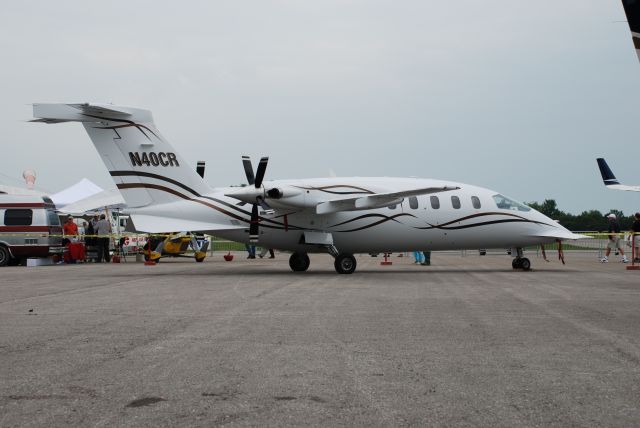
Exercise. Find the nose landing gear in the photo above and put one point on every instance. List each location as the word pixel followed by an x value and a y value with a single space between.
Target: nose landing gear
pixel 520 262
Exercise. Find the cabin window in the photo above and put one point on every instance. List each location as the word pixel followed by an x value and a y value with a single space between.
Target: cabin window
pixel 475 201
pixel 18 217
pixel 435 202
pixel 413 202
pixel 505 203
pixel 455 202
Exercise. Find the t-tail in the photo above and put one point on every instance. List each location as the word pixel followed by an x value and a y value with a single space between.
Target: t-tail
pixel 632 10
pixel 610 180
pixel 144 166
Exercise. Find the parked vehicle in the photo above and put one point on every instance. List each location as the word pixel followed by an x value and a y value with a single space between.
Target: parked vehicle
pixel 29 227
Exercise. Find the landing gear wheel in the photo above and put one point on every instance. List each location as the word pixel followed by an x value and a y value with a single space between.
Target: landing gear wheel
pixel 345 263
pixel 299 262
pixel 199 259
pixel 5 257
pixel 521 263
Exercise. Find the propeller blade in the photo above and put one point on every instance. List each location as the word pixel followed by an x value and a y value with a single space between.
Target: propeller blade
pixel 254 225
pixel 262 168
pixel 248 169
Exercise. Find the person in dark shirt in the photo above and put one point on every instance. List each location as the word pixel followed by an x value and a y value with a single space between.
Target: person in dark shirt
pixel 614 240
pixel 635 237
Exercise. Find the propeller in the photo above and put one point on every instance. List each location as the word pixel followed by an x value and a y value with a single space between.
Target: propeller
pixel 256 181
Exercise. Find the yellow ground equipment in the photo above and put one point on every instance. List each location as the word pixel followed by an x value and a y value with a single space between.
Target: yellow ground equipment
pixel 176 245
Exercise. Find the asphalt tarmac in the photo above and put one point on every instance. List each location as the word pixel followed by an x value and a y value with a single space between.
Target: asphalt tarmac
pixel 464 342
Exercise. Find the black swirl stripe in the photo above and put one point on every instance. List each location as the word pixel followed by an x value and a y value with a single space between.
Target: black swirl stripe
pixel 484 223
pixel 129 123
pixel 124 186
pixel 446 226
pixel 376 223
pixel 190 190
pixel 156 176
pixel 393 217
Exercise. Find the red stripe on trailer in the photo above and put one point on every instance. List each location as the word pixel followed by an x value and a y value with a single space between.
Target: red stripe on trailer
pixel 22 205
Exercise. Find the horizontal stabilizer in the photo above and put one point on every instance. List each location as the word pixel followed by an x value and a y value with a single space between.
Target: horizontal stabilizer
pixel 58 113
pixel 157 224
pixel 378 200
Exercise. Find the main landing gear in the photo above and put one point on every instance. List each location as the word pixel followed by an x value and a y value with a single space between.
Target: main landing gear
pixel 520 262
pixel 344 263
pixel 299 262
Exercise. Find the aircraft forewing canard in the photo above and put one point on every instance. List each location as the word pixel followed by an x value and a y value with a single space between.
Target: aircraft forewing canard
pixel 376 200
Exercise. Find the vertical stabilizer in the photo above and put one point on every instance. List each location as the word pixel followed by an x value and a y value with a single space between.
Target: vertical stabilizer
pixel 144 166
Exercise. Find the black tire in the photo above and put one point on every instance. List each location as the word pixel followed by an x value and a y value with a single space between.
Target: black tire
pixel 525 264
pixel 199 259
pixel 299 262
pixel 5 256
pixel 345 264
pixel 515 263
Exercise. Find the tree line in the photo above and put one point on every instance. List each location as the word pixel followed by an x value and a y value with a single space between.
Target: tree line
pixel 592 220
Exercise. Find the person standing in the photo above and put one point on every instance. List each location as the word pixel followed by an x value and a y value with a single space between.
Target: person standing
pixel 426 258
pixel 103 230
pixel 264 250
pixel 251 250
pixel 635 237
pixel 614 240
pixel 418 256
pixel 70 229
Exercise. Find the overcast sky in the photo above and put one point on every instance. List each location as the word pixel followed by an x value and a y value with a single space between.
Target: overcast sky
pixel 516 96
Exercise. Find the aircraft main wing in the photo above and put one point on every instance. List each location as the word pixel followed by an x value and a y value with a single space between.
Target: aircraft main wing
pixel 610 180
pixel 377 200
pixel 158 224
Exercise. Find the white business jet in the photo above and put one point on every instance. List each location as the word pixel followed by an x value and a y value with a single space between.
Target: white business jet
pixel 341 216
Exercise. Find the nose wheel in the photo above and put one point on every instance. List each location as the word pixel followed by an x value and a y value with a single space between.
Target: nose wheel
pixel 521 263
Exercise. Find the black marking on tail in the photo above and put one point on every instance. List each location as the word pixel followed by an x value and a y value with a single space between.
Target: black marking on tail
pixel 607 174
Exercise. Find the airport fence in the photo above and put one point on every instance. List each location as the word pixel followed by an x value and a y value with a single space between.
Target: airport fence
pixel 593 242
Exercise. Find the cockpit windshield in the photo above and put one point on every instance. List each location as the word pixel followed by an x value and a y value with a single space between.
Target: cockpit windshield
pixel 509 204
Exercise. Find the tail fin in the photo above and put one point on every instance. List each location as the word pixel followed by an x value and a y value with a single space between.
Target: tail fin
pixel 607 174
pixel 611 181
pixel 144 166
pixel 632 10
